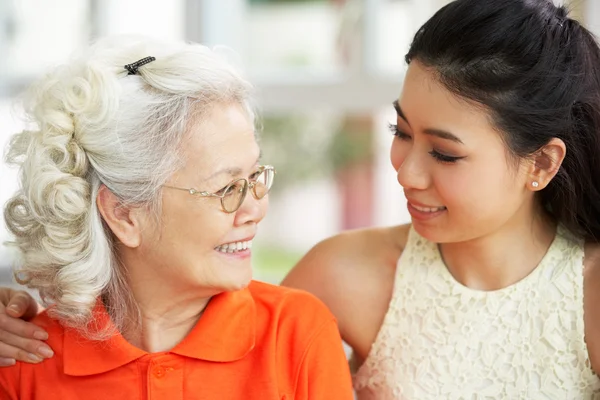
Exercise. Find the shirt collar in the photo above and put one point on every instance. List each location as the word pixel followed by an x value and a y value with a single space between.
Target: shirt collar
pixel 226 332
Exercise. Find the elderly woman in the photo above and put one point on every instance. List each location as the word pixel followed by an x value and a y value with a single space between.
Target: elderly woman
pixel 141 192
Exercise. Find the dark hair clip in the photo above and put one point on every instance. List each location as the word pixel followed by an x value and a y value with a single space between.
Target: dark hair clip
pixel 133 67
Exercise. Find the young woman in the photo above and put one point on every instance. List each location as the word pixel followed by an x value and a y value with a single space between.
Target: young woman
pixel 491 292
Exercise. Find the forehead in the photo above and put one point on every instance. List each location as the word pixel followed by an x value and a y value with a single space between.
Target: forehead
pixel 224 134
pixel 426 103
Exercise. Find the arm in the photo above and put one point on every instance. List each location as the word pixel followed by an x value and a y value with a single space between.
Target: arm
pixel 353 274
pixel 591 299
pixel 324 372
pixel 20 340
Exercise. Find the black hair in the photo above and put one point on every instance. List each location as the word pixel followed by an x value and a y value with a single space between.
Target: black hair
pixel 538 73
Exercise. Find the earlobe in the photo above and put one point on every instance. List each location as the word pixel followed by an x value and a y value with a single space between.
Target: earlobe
pixel 120 219
pixel 546 163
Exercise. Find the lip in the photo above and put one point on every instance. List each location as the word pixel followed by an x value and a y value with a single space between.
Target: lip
pixel 247 239
pixel 241 254
pixel 423 215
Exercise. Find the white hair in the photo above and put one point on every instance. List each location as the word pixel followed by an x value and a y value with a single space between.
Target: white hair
pixel 95 125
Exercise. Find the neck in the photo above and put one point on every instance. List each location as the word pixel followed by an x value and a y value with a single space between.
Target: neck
pixel 504 257
pixel 166 314
pixel 164 324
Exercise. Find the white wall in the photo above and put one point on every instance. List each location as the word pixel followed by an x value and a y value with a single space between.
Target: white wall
pixel 161 19
pixel 46 32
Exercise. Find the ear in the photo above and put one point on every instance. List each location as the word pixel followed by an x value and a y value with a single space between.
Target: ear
pixel 546 163
pixel 122 220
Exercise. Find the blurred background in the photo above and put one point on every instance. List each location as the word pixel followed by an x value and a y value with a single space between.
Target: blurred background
pixel 326 73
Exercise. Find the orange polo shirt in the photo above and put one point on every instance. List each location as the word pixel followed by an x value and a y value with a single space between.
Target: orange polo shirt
pixel 264 342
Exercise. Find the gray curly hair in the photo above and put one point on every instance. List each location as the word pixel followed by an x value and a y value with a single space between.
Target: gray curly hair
pixel 95 125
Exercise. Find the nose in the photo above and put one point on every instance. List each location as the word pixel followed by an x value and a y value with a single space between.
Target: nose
pixel 412 172
pixel 252 210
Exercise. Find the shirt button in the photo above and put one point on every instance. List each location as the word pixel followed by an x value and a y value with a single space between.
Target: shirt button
pixel 159 372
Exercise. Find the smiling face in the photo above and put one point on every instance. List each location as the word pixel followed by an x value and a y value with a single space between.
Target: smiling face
pixel 198 245
pixel 457 175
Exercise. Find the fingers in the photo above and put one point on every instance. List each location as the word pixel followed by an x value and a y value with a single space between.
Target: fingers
pixel 18 348
pixel 22 305
pixel 20 340
pixel 7 362
pixel 8 353
pixel 21 328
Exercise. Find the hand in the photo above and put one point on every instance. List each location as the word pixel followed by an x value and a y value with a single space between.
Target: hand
pixel 20 340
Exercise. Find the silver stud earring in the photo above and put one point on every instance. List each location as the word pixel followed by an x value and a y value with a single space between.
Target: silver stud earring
pixel 535 184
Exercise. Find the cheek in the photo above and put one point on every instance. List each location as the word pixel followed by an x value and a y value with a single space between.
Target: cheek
pixel 467 188
pixel 264 206
pixel 194 224
pixel 460 181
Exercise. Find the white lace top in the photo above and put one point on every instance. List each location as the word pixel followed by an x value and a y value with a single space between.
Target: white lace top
pixel 442 340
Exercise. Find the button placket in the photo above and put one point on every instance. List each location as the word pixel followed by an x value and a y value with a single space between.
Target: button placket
pixel 165 378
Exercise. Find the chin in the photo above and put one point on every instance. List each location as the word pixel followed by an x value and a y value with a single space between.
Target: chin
pixel 428 231
pixel 238 282
pixel 433 233
pixel 456 233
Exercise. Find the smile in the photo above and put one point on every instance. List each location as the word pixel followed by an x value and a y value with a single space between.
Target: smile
pixel 428 209
pixel 234 247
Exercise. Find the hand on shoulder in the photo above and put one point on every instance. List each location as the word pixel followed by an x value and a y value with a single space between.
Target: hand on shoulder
pixel 20 340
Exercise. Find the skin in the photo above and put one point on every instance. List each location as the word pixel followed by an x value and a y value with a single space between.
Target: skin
pixel 488 204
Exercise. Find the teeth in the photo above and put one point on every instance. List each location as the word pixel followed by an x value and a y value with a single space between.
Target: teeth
pixel 428 209
pixel 234 247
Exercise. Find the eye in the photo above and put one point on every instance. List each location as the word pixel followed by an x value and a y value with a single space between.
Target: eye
pixel 398 133
pixel 443 158
pixel 255 175
pixel 227 190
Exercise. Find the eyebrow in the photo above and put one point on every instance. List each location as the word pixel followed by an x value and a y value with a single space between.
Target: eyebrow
pixel 399 111
pixel 233 172
pixel 442 134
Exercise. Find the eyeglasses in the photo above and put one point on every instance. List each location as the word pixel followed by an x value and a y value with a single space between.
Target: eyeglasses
pixel 232 196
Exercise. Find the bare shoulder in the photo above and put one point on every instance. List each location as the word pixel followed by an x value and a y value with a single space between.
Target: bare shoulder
pixel 353 274
pixel 591 283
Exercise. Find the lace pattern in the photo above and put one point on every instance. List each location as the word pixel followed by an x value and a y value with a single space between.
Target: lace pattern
pixel 442 340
